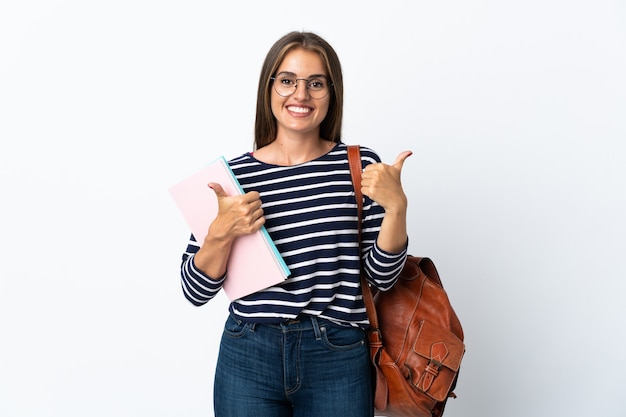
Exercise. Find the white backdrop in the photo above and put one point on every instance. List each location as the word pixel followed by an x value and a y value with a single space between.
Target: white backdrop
pixel 515 113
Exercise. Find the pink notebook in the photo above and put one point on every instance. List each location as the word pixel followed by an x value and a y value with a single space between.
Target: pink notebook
pixel 254 263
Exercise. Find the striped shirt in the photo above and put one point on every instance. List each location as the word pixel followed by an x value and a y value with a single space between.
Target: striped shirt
pixel 311 215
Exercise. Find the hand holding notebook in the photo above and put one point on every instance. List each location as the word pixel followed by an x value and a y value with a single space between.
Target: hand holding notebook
pixel 254 262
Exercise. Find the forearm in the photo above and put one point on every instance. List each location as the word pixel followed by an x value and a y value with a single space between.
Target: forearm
pixel 237 216
pixel 212 257
pixel 392 236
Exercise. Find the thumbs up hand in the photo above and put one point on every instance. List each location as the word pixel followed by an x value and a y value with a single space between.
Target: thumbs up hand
pixel 237 215
pixel 381 183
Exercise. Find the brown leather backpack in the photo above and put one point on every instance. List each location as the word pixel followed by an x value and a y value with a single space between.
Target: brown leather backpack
pixel 415 337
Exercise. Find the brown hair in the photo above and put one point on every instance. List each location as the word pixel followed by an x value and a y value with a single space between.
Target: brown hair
pixel 265 128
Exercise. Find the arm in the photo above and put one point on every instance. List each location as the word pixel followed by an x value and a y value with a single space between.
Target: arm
pixel 237 216
pixel 203 269
pixel 381 183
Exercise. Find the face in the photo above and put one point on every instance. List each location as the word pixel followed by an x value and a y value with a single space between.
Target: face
pixel 300 113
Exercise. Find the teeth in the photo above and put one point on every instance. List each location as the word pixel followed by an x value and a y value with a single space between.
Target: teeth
pixel 299 109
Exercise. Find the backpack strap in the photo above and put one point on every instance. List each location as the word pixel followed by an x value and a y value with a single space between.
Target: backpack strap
pixel 354 160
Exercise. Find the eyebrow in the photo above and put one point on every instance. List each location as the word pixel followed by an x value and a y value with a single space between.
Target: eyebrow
pixel 309 77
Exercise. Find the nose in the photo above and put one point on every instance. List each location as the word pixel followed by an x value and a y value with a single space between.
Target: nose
pixel 302 92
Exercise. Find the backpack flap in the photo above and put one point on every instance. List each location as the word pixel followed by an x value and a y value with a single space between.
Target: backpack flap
pixel 435 360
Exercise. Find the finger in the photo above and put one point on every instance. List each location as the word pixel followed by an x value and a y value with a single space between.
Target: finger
pixel 399 162
pixel 217 188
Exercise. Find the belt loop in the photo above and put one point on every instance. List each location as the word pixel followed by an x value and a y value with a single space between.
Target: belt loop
pixel 316 328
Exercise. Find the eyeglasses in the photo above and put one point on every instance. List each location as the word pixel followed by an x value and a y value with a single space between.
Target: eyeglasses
pixel 286 84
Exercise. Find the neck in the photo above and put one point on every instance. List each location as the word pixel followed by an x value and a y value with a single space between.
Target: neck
pixel 288 152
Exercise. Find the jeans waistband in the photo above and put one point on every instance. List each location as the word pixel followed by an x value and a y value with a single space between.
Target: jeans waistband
pixel 301 323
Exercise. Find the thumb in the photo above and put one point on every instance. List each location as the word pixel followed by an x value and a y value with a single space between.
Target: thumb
pixel 399 162
pixel 217 188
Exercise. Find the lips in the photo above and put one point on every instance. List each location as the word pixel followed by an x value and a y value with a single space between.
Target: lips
pixel 299 109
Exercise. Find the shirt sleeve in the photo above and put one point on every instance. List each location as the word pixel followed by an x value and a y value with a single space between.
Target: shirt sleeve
pixel 198 287
pixel 381 268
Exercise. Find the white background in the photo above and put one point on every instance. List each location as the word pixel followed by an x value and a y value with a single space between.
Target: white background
pixel 515 111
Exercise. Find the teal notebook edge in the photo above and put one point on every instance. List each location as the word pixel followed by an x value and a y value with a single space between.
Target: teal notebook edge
pixel 268 240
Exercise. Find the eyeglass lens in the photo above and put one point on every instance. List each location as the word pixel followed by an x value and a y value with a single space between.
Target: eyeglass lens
pixel 285 85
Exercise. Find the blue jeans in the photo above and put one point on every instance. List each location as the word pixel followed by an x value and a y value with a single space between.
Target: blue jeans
pixel 306 368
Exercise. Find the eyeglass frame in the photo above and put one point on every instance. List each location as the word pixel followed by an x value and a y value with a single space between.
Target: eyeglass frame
pixel 330 84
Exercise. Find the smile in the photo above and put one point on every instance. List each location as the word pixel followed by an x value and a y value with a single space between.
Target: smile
pixel 296 109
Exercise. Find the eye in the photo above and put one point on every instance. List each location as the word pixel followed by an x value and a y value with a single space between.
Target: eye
pixel 317 84
pixel 287 81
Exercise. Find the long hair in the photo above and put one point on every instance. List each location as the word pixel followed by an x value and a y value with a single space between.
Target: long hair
pixel 265 129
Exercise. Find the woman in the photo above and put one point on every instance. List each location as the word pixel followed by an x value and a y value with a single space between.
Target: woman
pixel 299 349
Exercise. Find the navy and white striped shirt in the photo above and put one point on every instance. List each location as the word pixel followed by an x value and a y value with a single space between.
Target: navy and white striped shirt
pixel 311 215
